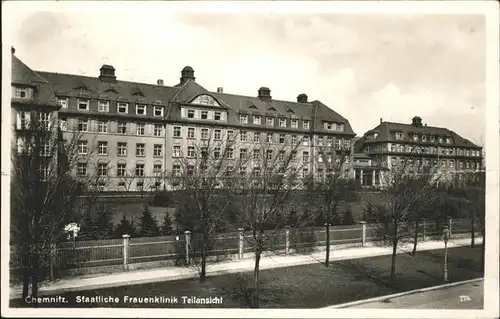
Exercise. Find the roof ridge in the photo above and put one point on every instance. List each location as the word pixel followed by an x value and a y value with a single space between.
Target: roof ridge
pixel 256 97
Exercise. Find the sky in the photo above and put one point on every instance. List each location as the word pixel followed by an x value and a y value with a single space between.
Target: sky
pixel 364 66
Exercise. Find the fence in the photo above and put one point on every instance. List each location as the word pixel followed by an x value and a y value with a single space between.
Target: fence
pixel 182 249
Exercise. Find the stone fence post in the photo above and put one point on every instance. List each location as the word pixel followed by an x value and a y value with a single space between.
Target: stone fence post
pixel 126 250
pixel 187 234
pixel 240 243
pixel 450 222
pixel 363 233
pixel 287 240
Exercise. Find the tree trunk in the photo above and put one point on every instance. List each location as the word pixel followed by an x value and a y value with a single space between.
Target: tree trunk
pixel 256 280
pixel 203 273
pixel 484 249
pixel 35 275
pixel 327 257
pixel 415 239
pixel 394 253
pixel 26 270
pixel 473 232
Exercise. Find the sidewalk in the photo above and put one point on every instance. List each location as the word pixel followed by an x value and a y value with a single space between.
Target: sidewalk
pixel 267 262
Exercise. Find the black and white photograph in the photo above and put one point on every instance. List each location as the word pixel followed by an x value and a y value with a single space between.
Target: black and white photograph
pixel 250 159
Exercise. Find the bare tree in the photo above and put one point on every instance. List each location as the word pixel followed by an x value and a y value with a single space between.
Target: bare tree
pixel 204 175
pixel 407 189
pixel 267 191
pixel 44 191
pixel 329 186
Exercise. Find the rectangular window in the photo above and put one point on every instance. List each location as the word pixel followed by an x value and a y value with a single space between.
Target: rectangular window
pixel 230 135
pixel 122 107
pixel 269 137
pixel 217 135
pixel 217 153
pixel 103 106
pixel 243 136
pixel 22 93
pixel 217 116
pixel 158 130
pixel 269 121
pixel 257 119
pixel 256 171
pixel 190 133
pixel 102 126
pixel 190 152
pixel 158 110
pixel 157 170
pixel 294 139
pixel 82 147
pixel 320 140
pixel 399 136
pixel 243 153
pixel 45 149
pixel 83 126
pixel 177 151
pixel 467 164
pixel 23 120
pixel 282 138
pixel 450 163
pixel 282 122
pixel 294 123
pixel 243 119
pixel 243 170
pixel 306 140
pixel 177 131
pixel 448 140
pixel 305 125
pixel 44 119
pixel 157 150
pixel 63 124
pixel 305 171
pixel 269 155
pixel 83 104
pixel 140 149
pixel 432 138
pixel 63 102
pixel 140 109
pixel 256 155
pixel 122 128
pixel 424 138
pixel 256 137
pixel 461 164
pixel 103 169
pixel 440 139
pixel 81 169
pixel 190 114
pixel 204 115
pixel 204 133
pixel 176 170
pixel 122 149
pixel 230 153
pixel 305 156
pixel 281 155
pixel 140 129
pixel 139 170
pixel 121 170
pixel 103 148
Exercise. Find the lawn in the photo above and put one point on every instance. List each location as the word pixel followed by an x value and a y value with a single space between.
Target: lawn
pixel 306 286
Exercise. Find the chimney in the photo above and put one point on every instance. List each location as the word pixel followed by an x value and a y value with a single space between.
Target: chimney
pixel 187 74
pixel 425 124
pixel 381 120
pixel 302 98
pixel 159 82
pixel 220 89
pixel 107 73
pixel 417 121
pixel 265 94
pixel 12 50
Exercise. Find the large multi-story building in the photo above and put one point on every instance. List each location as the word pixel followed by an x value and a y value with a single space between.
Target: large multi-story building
pixel 137 129
pixel 389 143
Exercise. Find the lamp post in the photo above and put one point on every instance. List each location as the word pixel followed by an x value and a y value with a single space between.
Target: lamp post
pixel 446 235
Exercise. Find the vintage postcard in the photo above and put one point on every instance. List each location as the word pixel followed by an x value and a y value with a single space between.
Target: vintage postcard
pixel 250 159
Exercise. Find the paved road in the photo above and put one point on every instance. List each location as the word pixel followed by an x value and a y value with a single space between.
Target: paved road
pixel 445 298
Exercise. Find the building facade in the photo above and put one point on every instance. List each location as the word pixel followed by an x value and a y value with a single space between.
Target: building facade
pixel 389 143
pixel 134 135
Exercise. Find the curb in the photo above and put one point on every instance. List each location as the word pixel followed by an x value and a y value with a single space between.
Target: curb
pixel 400 294
pixel 194 274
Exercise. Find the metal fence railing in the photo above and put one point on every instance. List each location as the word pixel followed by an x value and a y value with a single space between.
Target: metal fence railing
pixel 126 251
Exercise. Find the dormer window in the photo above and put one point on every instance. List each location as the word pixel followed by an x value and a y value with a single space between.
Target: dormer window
pixel 294 123
pixel 448 140
pixel 217 116
pixel 190 114
pixel 243 119
pixel 63 102
pixel 23 93
pixel 83 104
pixel 269 121
pixel 329 126
pixel 257 119
pixel 305 125
pixel 122 107
pixel 140 109
pixel 340 127
pixel 103 106
pixel 424 138
pixel 204 115
pixel 399 136
pixel 415 137
pixel 368 149
pixel 158 110
pixel 440 140
pixel 282 122
pixel 432 139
